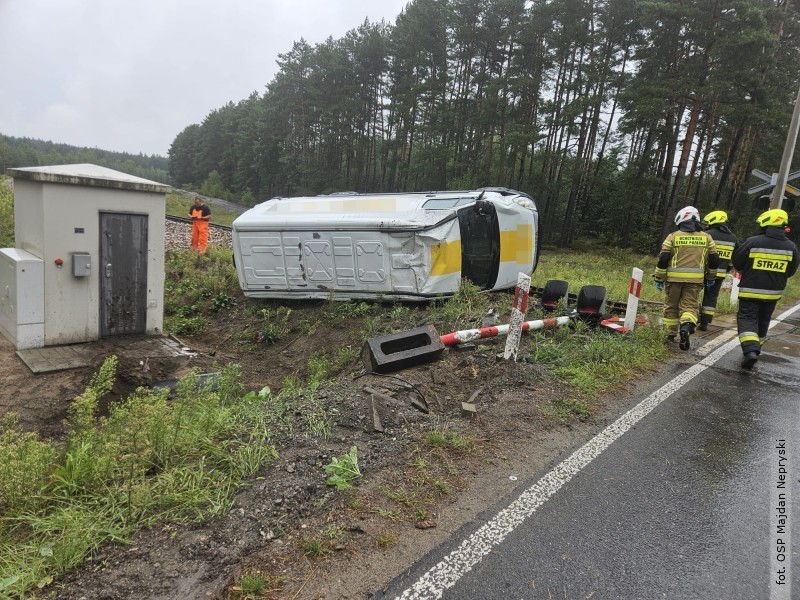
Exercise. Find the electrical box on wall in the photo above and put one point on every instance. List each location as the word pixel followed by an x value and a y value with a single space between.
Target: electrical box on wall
pixel 81 264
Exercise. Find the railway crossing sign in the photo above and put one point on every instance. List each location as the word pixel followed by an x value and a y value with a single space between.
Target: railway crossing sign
pixel 772 180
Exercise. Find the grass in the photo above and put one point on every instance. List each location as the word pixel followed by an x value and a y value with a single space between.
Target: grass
pixel 149 461
pixel 609 267
pixel 594 361
pixel 254 584
pixel 450 440
pixel 196 287
pixel 6 213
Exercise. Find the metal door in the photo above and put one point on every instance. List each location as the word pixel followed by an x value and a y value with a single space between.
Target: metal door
pixel 123 273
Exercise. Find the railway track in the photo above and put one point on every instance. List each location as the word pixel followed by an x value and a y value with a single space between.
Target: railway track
pixel 611 306
pixel 188 221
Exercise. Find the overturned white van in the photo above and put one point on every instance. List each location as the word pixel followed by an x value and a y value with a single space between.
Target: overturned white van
pixel 410 246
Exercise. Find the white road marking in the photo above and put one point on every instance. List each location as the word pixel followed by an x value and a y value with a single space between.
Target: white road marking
pixel 717 341
pixel 472 550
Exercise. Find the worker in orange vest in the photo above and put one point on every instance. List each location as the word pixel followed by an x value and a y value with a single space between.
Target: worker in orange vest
pixel 200 215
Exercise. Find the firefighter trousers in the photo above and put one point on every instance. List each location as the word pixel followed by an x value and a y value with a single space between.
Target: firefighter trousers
pixel 709 304
pixel 681 305
pixel 752 320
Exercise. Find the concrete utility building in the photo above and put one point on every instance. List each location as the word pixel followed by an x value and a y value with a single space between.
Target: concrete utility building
pixel 89 256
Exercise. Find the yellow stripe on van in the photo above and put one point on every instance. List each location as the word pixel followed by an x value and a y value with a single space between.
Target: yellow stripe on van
pixel 517 245
pixel 446 257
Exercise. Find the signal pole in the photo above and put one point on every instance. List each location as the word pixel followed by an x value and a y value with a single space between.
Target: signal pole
pixel 788 151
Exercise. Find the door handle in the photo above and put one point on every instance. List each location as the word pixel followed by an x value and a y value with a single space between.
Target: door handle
pixel 108 270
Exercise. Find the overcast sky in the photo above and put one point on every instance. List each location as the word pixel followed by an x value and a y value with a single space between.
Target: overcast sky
pixel 129 75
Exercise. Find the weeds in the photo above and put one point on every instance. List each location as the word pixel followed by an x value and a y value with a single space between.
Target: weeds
pixel 6 214
pixel 274 325
pixel 343 470
pixel 461 310
pixel 449 439
pixel 386 540
pixel 147 462
pixel 595 361
pixel 196 286
pixel 254 584
pixel 315 548
pixel 391 515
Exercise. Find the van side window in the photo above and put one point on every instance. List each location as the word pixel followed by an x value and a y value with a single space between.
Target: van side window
pixel 480 244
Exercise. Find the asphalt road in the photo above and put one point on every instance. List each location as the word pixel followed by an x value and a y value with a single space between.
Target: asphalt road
pixel 688 495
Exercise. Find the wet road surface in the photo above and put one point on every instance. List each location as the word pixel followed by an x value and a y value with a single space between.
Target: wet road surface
pixel 692 500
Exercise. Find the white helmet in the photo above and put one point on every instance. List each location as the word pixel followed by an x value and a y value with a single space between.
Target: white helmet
pixel 687 213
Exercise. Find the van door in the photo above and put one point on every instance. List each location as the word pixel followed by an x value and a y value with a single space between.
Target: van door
pixel 480 243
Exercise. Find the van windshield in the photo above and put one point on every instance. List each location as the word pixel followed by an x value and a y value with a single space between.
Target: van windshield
pixel 480 244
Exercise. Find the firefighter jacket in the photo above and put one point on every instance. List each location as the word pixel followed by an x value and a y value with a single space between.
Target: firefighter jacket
pixel 765 261
pixel 687 256
pixel 725 240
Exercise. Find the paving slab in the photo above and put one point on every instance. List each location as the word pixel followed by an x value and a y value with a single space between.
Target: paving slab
pixel 75 356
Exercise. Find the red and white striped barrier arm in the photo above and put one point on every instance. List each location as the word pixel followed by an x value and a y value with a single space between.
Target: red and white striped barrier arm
pixel 470 335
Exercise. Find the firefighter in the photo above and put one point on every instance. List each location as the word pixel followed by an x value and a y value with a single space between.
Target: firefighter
pixel 716 224
pixel 765 262
pixel 688 258
pixel 200 215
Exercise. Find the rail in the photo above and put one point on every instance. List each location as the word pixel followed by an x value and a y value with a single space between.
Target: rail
pixel 611 306
pixel 189 222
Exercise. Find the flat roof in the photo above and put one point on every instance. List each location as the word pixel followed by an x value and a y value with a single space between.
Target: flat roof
pixel 382 211
pixel 88 175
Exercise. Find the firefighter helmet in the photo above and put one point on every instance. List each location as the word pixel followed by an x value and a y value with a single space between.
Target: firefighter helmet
pixel 715 218
pixel 687 213
pixel 774 217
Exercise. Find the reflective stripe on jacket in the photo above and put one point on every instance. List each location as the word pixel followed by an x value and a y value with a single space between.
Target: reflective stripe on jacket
pixel 765 261
pixel 688 257
pixel 725 241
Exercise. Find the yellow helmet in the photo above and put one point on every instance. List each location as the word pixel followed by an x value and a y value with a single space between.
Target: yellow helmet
pixel 774 217
pixel 715 217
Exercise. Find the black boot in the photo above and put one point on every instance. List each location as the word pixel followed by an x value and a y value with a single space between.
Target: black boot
pixel 702 325
pixel 685 332
pixel 750 359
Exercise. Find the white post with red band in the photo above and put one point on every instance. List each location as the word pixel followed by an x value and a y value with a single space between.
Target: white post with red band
pixel 735 288
pixel 625 325
pixel 633 298
pixel 517 316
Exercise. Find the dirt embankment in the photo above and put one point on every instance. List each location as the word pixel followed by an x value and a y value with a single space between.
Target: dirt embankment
pixel 305 538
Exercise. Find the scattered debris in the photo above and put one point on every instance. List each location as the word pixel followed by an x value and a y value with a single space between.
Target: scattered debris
pixel 210 380
pixel 468 410
pixel 397 351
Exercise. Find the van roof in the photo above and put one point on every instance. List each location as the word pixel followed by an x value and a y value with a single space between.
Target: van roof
pixel 357 211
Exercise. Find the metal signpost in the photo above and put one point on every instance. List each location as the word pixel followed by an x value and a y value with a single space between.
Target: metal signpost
pixel 779 181
pixel 772 182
